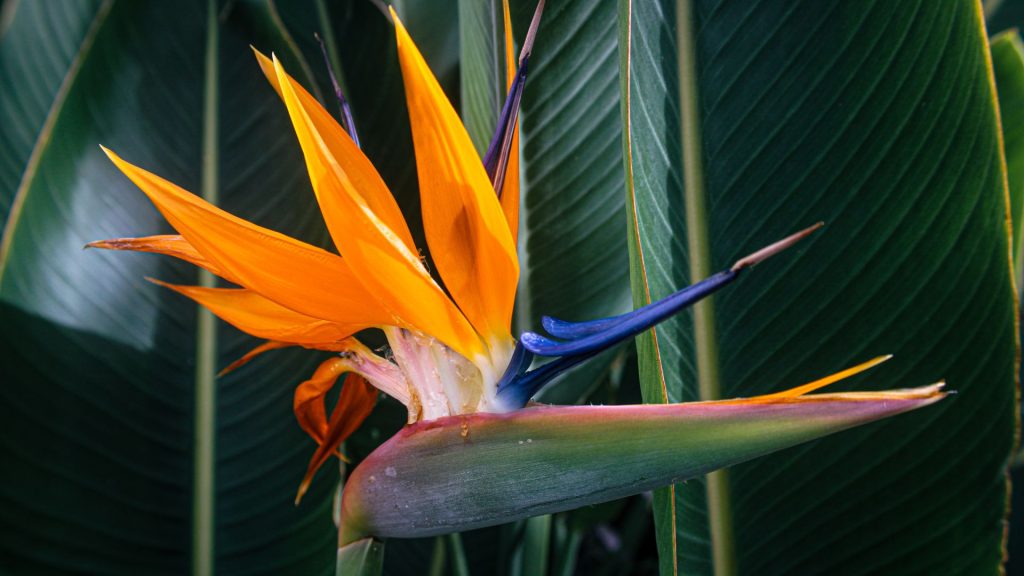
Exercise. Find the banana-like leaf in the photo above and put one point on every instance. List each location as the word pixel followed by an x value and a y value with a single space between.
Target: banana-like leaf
pixel 1008 65
pixel 99 429
pixel 573 247
pixel 547 459
pixel 747 120
pixel 36 56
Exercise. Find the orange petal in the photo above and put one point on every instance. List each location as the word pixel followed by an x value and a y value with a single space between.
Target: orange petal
pixel 510 189
pixel 354 404
pixel 274 345
pixel 812 386
pixel 252 313
pixel 166 244
pixel 345 182
pixel 245 359
pixel 468 235
pixel 292 273
pixel 357 172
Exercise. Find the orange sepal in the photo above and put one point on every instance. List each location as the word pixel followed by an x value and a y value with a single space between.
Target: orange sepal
pixel 167 244
pixel 510 189
pixel 355 403
pixel 466 229
pixel 248 356
pixel 366 225
pixel 822 382
pixel 294 274
pixel 263 318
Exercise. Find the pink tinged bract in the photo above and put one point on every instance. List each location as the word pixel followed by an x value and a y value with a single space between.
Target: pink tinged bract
pixel 464 472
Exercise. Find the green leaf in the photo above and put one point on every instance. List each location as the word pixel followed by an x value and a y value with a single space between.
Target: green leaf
pixel 99 374
pixel 746 121
pixel 482 68
pixel 572 247
pixel 1008 65
pixel 38 46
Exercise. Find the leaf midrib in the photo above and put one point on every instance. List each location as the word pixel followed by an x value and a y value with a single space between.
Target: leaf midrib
pixel 205 423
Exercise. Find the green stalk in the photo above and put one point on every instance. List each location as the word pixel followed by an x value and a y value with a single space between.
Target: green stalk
pixel 705 337
pixel 206 333
pixel 569 538
pixel 459 564
pixel 437 559
pixel 536 539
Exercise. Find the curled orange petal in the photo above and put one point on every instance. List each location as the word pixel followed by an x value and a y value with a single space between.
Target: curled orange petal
pixel 354 404
pixel 167 244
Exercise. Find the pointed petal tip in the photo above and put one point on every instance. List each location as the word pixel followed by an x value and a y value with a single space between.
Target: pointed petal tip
pixel 774 248
pixel 301 491
pixel 827 380
pixel 531 33
pixel 112 155
pixel 160 282
pixel 251 354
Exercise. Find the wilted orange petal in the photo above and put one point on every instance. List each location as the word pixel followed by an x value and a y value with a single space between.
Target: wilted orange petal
pixel 292 273
pixel 510 189
pixel 468 235
pixel 248 356
pixel 390 269
pixel 250 312
pixel 354 404
pixel 166 244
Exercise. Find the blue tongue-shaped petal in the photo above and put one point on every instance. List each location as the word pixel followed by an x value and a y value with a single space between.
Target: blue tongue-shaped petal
pixel 583 340
pixel 596 336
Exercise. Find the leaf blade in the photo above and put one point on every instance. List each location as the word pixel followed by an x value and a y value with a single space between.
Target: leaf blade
pixel 852 135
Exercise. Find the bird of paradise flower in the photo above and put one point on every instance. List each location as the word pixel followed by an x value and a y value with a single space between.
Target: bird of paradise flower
pixel 454 363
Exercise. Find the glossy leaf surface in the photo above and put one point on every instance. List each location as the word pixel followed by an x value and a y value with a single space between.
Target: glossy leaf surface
pixel 573 247
pixel 99 372
pixel 878 119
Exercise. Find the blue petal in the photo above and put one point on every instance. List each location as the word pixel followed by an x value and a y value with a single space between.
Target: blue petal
pixel 572 330
pixel 597 335
pixel 521 359
pixel 496 158
pixel 347 121
pixel 518 390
